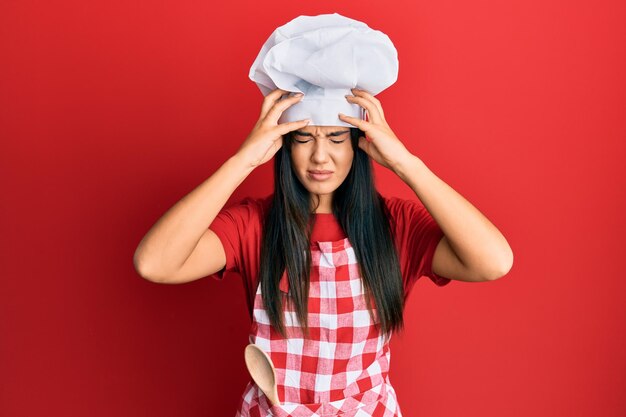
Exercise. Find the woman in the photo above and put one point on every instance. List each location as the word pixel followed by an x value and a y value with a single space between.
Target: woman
pixel 328 262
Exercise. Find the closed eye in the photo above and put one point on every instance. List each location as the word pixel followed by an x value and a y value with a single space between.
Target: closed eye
pixel 333 134
pixel 333 141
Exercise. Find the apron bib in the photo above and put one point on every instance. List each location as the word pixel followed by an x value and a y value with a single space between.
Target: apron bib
pixel 342 368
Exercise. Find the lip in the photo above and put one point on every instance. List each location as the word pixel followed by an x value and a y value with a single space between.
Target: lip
pixel 320 175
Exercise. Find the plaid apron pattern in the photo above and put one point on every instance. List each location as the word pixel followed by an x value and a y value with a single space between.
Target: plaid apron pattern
pixel 342 368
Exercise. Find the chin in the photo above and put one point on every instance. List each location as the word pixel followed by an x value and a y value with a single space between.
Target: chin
pixel 322 189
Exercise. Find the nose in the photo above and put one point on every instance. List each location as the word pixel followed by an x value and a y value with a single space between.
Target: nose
pixel 320 152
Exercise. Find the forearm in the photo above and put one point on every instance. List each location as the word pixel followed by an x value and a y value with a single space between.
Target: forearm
pixel 478 244
pixel 173 237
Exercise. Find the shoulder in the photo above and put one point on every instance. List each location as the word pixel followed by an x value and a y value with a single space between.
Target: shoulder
pixel 246 210
pixel 397 203
pixel 401 209
pixel 257 203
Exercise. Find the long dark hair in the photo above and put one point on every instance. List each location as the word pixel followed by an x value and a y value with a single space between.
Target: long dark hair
pixel 363 216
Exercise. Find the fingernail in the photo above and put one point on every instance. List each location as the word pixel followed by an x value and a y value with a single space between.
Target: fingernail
pixel 298 95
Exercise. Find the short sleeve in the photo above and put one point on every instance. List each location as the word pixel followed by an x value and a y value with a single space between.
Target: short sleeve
pixel 231 225
pixel 417 235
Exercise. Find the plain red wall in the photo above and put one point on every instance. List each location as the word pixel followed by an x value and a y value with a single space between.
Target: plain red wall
pixel 113 111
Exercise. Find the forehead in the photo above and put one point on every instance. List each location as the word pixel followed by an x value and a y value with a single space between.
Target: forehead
pixel 323 130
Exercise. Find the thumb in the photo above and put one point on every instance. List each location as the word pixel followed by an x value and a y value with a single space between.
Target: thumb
pixel 287 127
pixel 363 143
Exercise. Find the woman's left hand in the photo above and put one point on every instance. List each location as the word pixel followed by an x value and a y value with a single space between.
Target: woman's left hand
pixel 380 143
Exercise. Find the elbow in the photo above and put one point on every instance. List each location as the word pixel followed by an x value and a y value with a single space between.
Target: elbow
pixel 143 270
pixel 504 267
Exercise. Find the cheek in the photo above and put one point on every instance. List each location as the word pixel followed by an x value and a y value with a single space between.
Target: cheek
pixel 296 158
pixel 347 158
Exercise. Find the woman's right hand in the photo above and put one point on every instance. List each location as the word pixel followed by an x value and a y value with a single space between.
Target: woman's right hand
pixel 266 137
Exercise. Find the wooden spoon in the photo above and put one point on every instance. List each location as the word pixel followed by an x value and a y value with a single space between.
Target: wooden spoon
pixel 262 371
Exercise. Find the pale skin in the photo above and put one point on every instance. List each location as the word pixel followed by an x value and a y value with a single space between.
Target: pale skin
pixel 472 248
pixel 180 247
pixel 322 148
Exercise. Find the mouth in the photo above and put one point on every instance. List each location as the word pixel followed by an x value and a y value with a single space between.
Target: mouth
pixel 320 175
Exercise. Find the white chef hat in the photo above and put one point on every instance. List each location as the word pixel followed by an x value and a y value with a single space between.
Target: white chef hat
pixel 324 57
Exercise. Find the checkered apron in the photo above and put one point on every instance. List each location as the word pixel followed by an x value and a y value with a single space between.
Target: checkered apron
pixel 342 368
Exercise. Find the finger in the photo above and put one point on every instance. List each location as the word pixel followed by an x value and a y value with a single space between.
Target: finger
pixel 363 144
pixel 270 99
pixel 360 123
pixel 370 97
pixel 279 107
pixel 277 144
pixel 285 128
pixel 372 110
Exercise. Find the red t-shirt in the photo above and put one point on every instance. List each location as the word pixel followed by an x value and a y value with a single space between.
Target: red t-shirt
pixel 239 228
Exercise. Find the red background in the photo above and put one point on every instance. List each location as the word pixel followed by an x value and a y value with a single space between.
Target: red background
pixel 113 111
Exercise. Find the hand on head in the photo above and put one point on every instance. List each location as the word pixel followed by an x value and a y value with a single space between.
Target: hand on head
pixel 266 137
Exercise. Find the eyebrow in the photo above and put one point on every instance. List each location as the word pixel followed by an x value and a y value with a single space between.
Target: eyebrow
pixel 299 132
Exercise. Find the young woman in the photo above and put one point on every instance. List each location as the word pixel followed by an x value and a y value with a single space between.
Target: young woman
pixel 328 261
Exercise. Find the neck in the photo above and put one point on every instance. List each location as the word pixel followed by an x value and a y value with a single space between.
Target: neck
pixel 323 203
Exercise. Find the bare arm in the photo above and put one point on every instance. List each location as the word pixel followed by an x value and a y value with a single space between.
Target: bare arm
pixel 180 247
pixel 473 249
pixel 169 243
